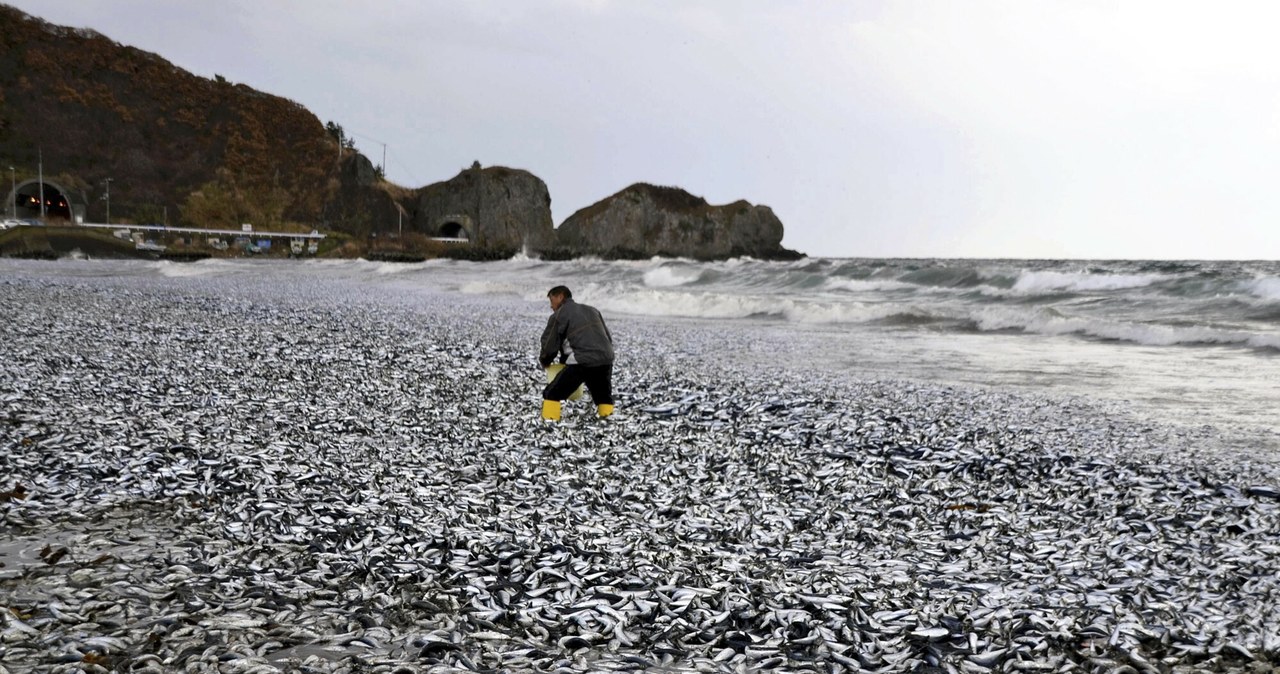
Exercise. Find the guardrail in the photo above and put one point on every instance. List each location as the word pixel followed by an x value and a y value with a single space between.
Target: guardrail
pixel 210 232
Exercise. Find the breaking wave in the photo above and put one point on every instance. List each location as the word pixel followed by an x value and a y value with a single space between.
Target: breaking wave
pixel 1041 281
pixel 1051 322
pixel 670 277
pixel 1266 288
pixel 1158 304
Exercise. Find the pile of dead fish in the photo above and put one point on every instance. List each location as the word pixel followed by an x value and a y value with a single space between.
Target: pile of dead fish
pixel 261 476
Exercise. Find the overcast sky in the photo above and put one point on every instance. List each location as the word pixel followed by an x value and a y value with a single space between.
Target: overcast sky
pixel 920 128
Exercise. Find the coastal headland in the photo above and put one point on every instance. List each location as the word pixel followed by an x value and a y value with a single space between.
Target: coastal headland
pixel 141 141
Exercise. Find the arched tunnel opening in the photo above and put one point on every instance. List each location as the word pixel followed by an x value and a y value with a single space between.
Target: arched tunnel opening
pixel 26 201
pixel 452 230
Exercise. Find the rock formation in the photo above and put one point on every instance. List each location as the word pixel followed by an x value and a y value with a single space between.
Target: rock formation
pixel 645 220
pixel 496 208
pixel 186 150
pixel 363 205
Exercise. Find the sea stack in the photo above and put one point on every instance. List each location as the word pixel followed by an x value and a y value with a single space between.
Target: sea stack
pixel 646 220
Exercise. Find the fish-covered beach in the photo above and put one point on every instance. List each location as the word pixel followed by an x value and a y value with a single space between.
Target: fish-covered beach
pixel 815 466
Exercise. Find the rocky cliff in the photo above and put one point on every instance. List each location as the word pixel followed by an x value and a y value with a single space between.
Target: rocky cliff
pixel 364 205
pixel 496 208
pixel 187 150
pixel 175 145
pixel 645 220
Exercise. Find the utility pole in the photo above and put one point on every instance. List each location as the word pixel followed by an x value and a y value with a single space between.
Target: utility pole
pixel 475 166
pixel 13 196
pixel 41 173
pixel 108 199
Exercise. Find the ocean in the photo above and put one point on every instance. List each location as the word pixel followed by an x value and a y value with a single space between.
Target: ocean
pixel 1194 344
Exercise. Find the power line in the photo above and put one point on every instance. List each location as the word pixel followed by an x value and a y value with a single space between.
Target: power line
pixel 405 169
pixel 371 140
pixel 384 145
pixel 383 165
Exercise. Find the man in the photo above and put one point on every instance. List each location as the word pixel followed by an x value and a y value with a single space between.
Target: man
pixel 576 333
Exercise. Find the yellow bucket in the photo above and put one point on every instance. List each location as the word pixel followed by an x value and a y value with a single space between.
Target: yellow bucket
pixel 553 370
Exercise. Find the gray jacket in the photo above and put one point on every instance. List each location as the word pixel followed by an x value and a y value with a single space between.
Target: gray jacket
pixel 577 334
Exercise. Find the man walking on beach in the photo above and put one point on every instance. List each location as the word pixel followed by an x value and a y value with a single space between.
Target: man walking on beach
pixel 576 333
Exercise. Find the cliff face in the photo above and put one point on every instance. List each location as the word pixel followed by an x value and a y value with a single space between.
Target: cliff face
pixel 495 207
pixel 645 220
pixel 99 110
pixel 361 204
pixel 186 150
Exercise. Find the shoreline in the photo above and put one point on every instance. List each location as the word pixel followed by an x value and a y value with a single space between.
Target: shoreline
pixel 344 480
pixel 56 242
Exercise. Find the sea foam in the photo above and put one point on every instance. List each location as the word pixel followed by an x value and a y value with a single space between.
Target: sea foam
pixel 1050 322
pixel 681 304
pixel 207 267
pixel 1265 287
pixel 1031 282
pixel 671 276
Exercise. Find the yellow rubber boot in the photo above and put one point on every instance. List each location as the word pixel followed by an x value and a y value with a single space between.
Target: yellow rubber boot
pixel 551 410
pixel 604 410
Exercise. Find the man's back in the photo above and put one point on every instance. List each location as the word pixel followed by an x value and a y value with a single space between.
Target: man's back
pixel 578 333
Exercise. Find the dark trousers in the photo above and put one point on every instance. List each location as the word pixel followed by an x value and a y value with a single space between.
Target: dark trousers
pixel 598 378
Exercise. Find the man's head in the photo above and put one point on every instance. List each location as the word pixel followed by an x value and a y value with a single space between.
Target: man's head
pixel 558 295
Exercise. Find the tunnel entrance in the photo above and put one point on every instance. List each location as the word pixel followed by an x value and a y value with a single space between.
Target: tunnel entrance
pixel 26 201
pixel 452 230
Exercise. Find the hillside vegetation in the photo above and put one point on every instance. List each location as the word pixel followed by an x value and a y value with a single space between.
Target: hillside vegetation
pixel 199 151
pixel 180 149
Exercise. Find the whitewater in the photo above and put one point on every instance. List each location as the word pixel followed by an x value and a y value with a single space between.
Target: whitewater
pixel 1194 344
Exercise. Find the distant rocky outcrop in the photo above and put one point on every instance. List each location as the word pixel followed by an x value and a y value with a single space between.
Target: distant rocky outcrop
pixel 181 149
pixel 496 208
pixel 646 220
